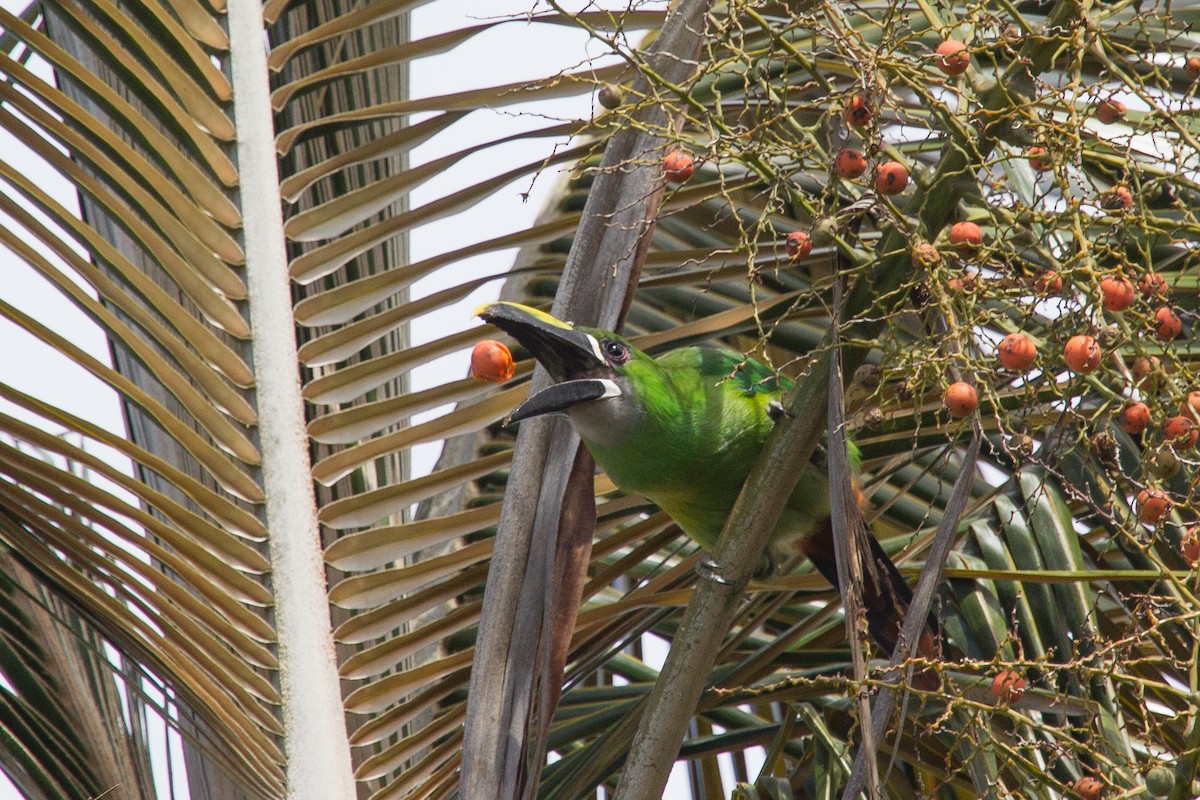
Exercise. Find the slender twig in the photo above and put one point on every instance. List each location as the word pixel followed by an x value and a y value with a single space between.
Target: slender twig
pixel 918 611
pixel 849 566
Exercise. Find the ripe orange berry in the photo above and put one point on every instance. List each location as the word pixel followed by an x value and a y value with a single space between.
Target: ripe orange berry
pixel 966 237
pixel 961 399
pixel 953 57
pixel 967 282
pixel 891 178
pixel 1038 159
pixel 1190 407
pixel 1110 111
pixel 1118 293
pixel 1189 546
pixel 798 244
pixel 1088 788
pixel 1152 506
pixel 1135 418
pixel 1167 323
pixel 1082 354
pixel 1008 685
pixel 678 166
pixel 1048 283
pixel 1153 285
pixel 859 111
pixel 1118 198
pixel 1192 67
pixel 1181 432
pixel 849 163
pixel 491 361
pixel 1017 352
pixel 1143 368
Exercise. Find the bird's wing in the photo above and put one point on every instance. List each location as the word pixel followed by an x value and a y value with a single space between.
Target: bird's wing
pixel 749 375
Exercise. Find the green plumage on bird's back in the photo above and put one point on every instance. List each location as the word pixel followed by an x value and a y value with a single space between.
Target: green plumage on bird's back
pixel 703 417
pixel 701 423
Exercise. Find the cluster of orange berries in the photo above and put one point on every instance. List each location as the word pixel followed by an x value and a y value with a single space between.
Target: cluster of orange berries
pixel 1008 686
pixel 1082 353
pixel 1181 433
pixel 891 177
pixel 953 58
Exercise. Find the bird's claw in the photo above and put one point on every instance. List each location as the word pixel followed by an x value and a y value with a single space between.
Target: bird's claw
pixel 820 456
pixel 707 568
pixel 776 411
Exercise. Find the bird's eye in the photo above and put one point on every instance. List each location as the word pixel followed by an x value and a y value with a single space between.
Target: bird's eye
pixel 616 352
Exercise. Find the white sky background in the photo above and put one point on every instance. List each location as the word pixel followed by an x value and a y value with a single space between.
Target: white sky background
pixel 487 59
pixel 543 49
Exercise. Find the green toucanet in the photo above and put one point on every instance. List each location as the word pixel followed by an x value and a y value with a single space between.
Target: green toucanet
pixel 683 430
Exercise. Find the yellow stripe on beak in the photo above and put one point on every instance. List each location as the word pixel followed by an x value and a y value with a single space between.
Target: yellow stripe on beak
pixel 533 312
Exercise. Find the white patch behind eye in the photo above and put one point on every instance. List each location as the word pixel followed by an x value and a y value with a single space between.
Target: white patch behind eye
pixel 597 352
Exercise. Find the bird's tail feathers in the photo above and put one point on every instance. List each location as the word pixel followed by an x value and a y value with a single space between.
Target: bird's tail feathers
pixel 885 594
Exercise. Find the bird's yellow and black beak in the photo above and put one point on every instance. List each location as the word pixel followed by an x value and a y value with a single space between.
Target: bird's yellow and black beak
pixel 572 357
